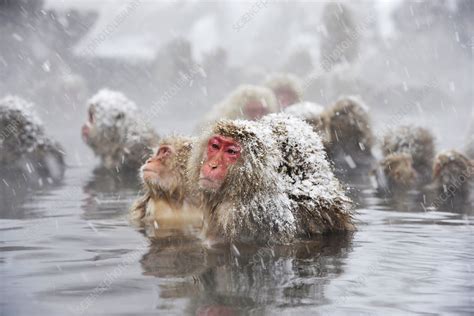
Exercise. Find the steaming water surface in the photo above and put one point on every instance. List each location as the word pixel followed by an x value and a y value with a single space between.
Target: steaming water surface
pixel 71 249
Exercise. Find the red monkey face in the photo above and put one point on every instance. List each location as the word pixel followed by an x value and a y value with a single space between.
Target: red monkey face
pixel 222 153
pixel 254 110
pixel 157 170
pixel 286 97
pixel 88 126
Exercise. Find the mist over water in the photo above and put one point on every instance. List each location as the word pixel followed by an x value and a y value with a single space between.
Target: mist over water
pixel 70 248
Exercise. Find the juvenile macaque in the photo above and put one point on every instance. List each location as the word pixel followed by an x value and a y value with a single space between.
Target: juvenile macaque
pixel 115 133
pixel 248 191
pixel 453 174
pixel 408 156
pixel 246 102
pixel 167 198
pixel 349 133
pixel 286 87
pixel 24 147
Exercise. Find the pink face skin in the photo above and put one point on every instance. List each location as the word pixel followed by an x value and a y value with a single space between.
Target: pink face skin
pixel 86 128
pixel 222 152
pixel 254 110
pixel 286 97
pixel 155 167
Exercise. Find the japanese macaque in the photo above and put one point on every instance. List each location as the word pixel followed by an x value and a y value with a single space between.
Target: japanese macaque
pixel 235 165
pixel 24 147
pixel 167 200
pixel 311 113
pixel 114 132
pixel 286 87
pixel 349 133
pixel 453 174
pixel 249 194
pixel 318 202
pixel 408 156
pixel 246 102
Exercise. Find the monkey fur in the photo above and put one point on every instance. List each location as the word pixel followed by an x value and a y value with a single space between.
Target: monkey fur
pixel 170 202
pixel 453 174
pixel 348 132
pixel 233 106
pixel 267 195
pixel 278 82
pixel 117 134
pixel 24 146
pixel 408 156
pixel 319 203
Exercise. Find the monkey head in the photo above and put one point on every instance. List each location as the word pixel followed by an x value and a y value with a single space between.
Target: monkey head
pixel 452 167
pixel 165 170
pixel 348 122
pixel 109 117
pixel 399 169
pixel 286 87
pixel 248 102
pixel 221 154
pixel 20 129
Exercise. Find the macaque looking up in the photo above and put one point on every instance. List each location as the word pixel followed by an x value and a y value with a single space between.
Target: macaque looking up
pixel 25 149
pixel 408 156
pixel 246 102
pixel 286 87
pixel 167 198
pixel 349 133
pixel 115 133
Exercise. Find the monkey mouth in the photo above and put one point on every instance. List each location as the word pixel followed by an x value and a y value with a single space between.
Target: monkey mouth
pixel 149 170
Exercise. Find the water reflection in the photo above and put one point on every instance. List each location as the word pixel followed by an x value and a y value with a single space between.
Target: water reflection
pixel 239 278
pixel 109 193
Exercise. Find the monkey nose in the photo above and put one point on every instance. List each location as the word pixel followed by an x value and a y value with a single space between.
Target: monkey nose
pixel 213 165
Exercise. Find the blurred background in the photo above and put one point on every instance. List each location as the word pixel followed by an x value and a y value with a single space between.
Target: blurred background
pixel 411 61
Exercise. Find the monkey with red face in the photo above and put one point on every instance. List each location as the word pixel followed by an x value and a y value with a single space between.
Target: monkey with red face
pixel 266 182
pixel 115 133
pixel 286 87
pixel 246 102
pixel 235 164
pixel 168 200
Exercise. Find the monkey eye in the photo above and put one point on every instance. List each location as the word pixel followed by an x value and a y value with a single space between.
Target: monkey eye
pixel 215 146
pixel 91 116
pixel 232 151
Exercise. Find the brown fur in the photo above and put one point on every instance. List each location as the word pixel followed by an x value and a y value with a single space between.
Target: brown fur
pixel 453 174
pixel 348 130
pixel 251 205
pixel 408 156
pixel 170 203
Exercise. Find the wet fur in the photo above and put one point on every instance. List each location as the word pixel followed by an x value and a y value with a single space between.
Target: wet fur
pixel 171 204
